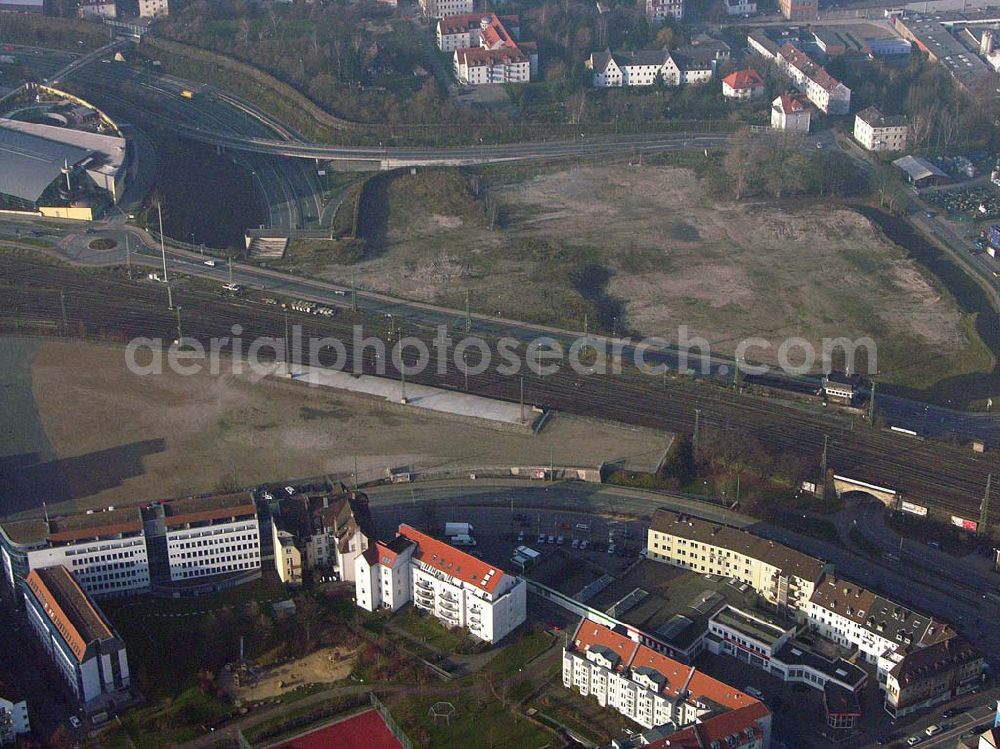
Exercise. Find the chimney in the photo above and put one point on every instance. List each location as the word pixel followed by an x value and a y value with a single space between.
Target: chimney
pixel 986 42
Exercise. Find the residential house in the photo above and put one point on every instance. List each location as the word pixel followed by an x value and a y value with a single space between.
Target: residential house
pixel 494 55
pixel 444 8
pixel 646 68
pixel 878 132
pixel 740 7
pixel 659 11
pixel 97 9
pixel 743 85
pixel 154 8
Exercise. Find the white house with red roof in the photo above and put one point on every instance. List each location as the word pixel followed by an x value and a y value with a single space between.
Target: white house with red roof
pixel 490 54
pixel 791 113
pixel 457 588
pixel 658 692
pixel 743 85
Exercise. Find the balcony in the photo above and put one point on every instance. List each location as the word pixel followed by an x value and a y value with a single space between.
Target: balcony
pixel 448 605
pixel 425 584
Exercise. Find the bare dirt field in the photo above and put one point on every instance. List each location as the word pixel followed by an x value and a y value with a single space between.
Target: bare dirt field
pixel 119 437
pixel 649 249
pixel 325 666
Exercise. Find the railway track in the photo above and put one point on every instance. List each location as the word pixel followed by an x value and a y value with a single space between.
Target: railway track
pixel 946 478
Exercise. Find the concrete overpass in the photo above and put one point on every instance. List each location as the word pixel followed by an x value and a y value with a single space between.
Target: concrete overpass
pixel 887 496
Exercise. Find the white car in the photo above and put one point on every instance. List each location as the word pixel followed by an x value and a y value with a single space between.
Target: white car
pixel 914 740
pixel 932 729
pixel 209 263
pixel 74 721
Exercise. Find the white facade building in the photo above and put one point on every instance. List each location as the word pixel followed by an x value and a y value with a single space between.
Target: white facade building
pixel 492 54
pixel 77 637
pixel 878 132
pixel 444 8
pixel 646 68
pixel 791 114
pixel 740 7
pixel 97 9
pixel 656 691
pixel 743 85
pixel 457 588
pixel 13 718
pixel 659 11
pixel 120 551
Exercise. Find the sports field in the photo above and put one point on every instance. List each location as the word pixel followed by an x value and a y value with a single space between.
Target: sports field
pixel 364 731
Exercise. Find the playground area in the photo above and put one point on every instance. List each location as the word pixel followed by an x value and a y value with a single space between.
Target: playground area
pixel 325 666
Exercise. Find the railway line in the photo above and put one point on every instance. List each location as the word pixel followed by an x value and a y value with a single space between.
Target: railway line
pixel 946 478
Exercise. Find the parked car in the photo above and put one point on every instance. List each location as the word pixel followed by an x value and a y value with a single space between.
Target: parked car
pixel 540 539
pixel 933 730
pixel 559 541
pixel 552 539
pixel 914 740
pixel 74 721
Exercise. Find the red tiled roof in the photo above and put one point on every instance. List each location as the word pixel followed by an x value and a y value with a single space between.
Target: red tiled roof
pixel 742 79
pixel 742 711
pixel 791 104
pixel 801 61
pixel 676 674
pixel 717 728
pixel 591 633
pixel 460 24
pixel 451 561
pixel 489 56
pixel 68 607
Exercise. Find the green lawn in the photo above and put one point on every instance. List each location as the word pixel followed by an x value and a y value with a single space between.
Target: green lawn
pixel 475 724
pixel 519 653
pixel 428 630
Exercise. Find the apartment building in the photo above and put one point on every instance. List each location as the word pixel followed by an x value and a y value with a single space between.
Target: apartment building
pixel 179 546
pixel 153 8
pixel 493 54
pixel 660 11
pixel 457 588
pixel 799 10
pixel 829 95
pixel 686 707
pixel 928 676
pixel 878 132
pixel 13 716
pixel 445 8
pixel 77 637
pixel 919 661
pixel 784 577
pixel 646 68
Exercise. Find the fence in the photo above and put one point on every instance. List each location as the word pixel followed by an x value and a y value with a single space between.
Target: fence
pixel 401 737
